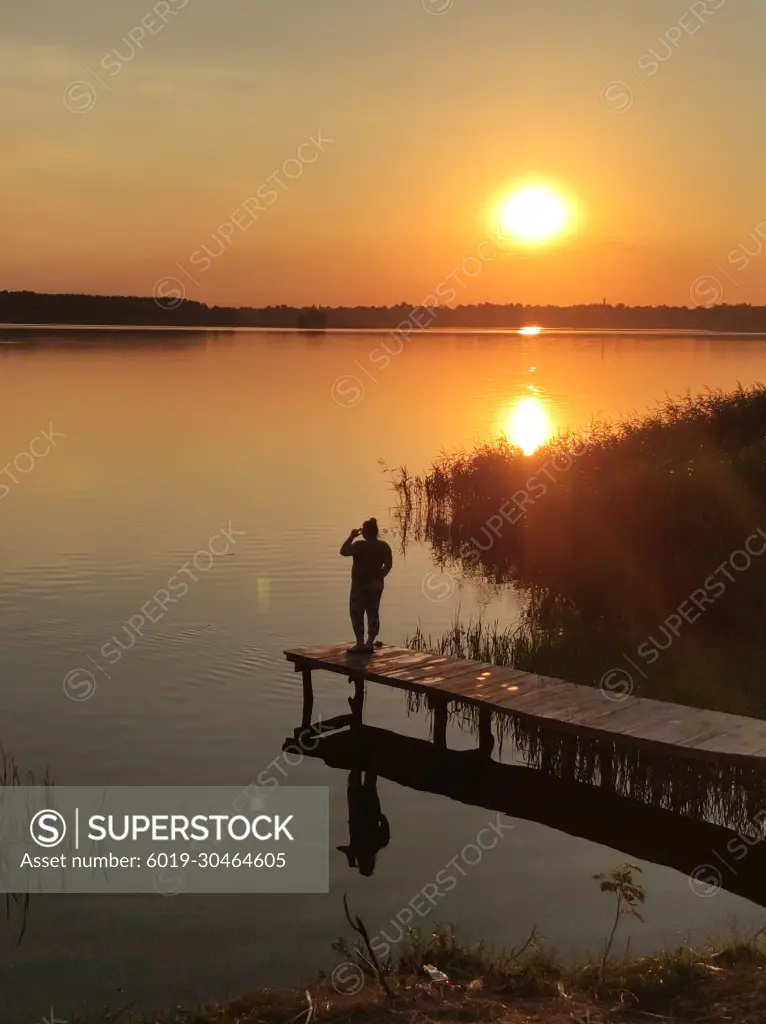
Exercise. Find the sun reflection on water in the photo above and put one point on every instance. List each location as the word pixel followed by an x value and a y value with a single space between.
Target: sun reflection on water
pixel 528 425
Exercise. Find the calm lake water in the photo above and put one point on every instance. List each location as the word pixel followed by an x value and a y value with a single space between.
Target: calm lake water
pixel 167 440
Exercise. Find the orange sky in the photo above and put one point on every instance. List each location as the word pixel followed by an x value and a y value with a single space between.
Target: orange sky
pixel 130 136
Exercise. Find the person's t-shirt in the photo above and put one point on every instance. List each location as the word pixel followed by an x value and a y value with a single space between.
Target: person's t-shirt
pixel 370 559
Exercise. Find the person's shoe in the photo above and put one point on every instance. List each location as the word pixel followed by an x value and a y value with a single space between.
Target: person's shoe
pixel 357 649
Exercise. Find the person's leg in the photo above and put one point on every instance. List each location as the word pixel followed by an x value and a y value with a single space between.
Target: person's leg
pixel 356 611
pixel 372 606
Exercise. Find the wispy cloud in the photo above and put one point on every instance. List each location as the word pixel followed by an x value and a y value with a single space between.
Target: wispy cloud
pixel 161 89
pixel 19 58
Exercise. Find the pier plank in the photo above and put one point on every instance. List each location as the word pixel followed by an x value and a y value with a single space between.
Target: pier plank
pixel 587 716
pixel 643 715
pixel 553 700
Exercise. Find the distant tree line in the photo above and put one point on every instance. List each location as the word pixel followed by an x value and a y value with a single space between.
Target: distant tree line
pixel 34 308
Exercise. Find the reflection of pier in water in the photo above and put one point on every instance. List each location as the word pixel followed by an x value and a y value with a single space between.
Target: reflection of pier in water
pixel 707 852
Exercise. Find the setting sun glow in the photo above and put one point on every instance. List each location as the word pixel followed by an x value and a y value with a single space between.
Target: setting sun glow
pixel 528 425
pixel 534 214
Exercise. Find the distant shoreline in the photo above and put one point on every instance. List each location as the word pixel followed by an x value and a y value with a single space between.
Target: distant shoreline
pixel 583 332
pixel 32 310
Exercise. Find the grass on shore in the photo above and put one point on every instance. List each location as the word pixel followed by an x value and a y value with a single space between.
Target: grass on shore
pixel 721 984
pixel 438 978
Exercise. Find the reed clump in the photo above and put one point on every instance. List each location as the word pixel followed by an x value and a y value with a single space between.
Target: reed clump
pixel 627 516
pixel 553 638
pixel 17 904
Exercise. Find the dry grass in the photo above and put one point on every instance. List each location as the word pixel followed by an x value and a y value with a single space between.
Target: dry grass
pixel 719 985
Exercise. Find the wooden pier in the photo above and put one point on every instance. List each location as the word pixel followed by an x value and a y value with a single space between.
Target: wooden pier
pixel 551 704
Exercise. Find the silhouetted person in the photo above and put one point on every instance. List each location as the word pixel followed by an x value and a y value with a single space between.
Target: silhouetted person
pixel 368 829
pixel 372 563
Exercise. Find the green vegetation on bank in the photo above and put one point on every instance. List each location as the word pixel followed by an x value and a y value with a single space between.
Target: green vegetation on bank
pixel 720 984
pixel 436 977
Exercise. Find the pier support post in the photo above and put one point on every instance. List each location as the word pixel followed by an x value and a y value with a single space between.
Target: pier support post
pixel 486 739
pixel 568 762
pixel 440 723
pixel 606 766
pixel 308 699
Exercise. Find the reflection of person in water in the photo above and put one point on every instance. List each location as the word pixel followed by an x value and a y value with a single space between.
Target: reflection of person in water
pixel 367 827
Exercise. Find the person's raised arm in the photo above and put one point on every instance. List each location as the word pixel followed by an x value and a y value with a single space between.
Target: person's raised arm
pixel 346 547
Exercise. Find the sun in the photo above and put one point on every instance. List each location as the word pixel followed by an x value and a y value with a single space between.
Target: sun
pixel 528 425
pixel 534 214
